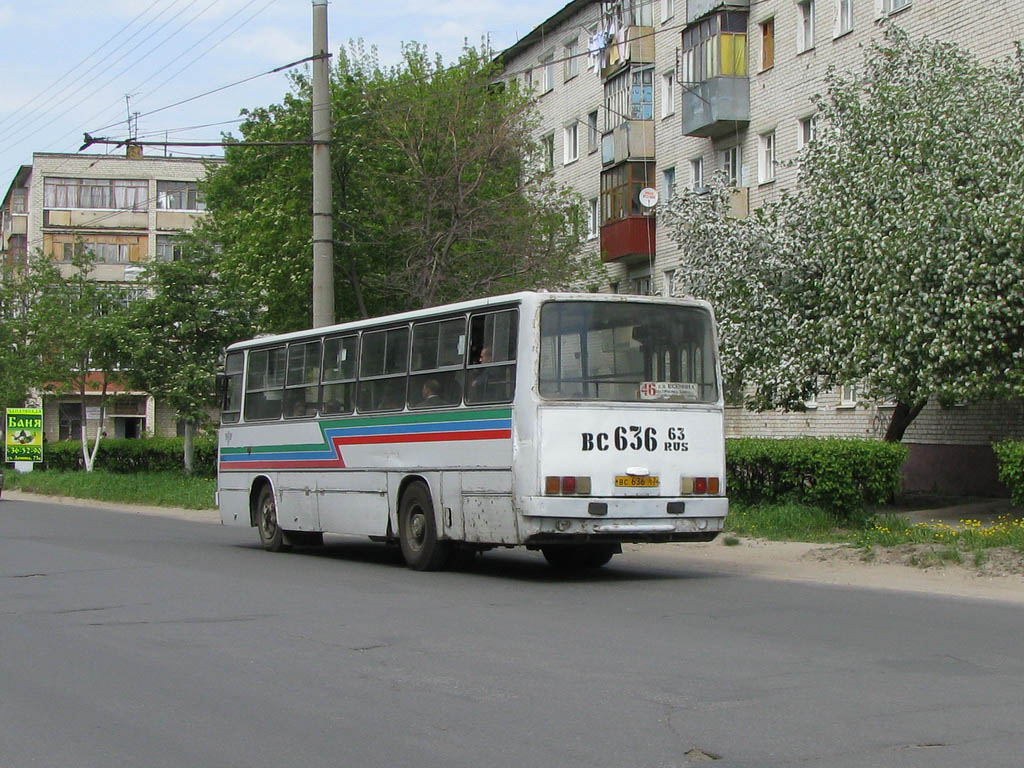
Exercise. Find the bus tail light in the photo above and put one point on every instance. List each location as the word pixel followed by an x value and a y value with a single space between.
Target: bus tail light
pixel 567 485
pixel 699 486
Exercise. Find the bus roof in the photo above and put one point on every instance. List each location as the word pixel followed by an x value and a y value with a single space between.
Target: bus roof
pixel 533 297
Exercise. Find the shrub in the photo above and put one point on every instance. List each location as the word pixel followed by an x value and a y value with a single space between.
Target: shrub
pixel 842 476
pixel 1010 458
pixel 124 456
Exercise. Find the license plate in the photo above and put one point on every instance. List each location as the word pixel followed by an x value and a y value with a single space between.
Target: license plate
pixel 629 481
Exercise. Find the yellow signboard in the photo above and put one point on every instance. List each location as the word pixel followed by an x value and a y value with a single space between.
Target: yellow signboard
pixel 23 434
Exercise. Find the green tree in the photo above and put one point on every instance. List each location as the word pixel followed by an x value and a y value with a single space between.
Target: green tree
pixel 175 337
pixel 16 362
pixel 898 261
pixel 75 338
pixel 435 195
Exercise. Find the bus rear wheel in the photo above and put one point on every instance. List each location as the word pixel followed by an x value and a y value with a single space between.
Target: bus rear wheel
pixel 417 531
pixel 575 557
pixel 271 535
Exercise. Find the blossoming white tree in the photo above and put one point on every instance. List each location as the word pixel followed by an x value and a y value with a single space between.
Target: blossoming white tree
pixel 897 261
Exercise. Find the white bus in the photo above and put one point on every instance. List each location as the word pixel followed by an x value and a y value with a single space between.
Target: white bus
pixel 568 423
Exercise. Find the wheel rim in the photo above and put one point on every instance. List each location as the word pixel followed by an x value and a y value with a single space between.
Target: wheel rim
pixel 268 520
pixel 417 529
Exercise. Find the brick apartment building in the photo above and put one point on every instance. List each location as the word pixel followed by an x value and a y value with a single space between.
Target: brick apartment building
pixel 664 93
pixel 126 210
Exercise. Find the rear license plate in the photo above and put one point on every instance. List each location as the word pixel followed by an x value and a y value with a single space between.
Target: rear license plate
pixel 629 481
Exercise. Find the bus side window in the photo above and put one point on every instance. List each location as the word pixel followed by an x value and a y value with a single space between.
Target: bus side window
pixel 231 405
pixel 302 382
pixel 264 384
pixel 438 351
pixel 492 357
pixel 339 375
pixel 383 364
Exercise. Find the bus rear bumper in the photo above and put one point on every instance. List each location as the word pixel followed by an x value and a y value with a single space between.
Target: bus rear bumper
pixel 621 520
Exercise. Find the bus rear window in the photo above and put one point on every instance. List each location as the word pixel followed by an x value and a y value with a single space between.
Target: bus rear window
pixel 627 352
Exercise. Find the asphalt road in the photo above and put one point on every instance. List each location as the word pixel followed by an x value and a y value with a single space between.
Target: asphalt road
pixel 146 641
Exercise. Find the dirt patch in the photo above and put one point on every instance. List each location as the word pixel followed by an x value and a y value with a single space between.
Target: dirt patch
pixel 996 562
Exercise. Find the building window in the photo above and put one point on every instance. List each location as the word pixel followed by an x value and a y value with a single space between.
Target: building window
pixel 593 218
pixel 179 196
pixel 766 158
pixel 805 28
pixel 844 17
pixel 668 278
pixel 715 47
pixel 572 59
pixel 806 130
pixel 667 9
pixel 668 94
pixel 729 161
pixel 593 135
pixel 547 73
pixel 571 143
pixel 528 80
pixel 547 148
pixel 891 6
pixel 18 201
pixel 620 190
pixel 168 248
pixel 668 183
pixel 768 44
pixel 119 194
pixel 697 174
pixel 629 96
pixel 639 13
pixel 848 396
pixel 640 284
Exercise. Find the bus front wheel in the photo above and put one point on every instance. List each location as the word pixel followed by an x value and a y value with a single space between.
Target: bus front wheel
pixel 271 535
pixel 574 557
pixel 417 531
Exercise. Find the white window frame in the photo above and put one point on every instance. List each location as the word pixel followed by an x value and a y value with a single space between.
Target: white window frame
pixel 766 158
pixel 668 93
pixel 667 278
pixel 806 130
pixel 593 218
pixel 767 23
pixel 668 10
pixel 844 17
pixel 730 160
pixel 805 26
pixel 668 183
pixel 547 73
pixel 593 132
pixel 572 59
pixel 547 143
pixel 571 143
pixel 697 174
pixel 847 396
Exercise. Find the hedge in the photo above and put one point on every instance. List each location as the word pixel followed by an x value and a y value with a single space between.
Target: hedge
pixel 148 454
pixel 842 476
pixel 1010 458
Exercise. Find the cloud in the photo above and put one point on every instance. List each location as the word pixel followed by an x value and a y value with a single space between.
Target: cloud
pixel 270 45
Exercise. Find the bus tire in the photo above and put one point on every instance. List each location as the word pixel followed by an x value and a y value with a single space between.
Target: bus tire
pixel 576 557
pixel 271 535
pixel 417 531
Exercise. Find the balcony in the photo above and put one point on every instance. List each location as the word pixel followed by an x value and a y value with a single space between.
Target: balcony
pixel 716 107
pixel 638 47
pixel 630 140
pixel 632 236
pixel 697 9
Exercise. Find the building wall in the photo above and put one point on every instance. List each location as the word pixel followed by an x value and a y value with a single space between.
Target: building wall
pixel 780 96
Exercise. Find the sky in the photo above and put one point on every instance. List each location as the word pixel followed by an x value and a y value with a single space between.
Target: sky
pixel 70 64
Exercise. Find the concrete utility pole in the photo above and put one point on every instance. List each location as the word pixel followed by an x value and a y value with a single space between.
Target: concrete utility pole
pixel 323 242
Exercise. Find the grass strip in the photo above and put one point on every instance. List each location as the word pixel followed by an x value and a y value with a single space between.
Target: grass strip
pixel 158 489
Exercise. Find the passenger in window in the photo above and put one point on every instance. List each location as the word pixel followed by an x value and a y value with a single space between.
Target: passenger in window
pixel 478 387
pixel 431 393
